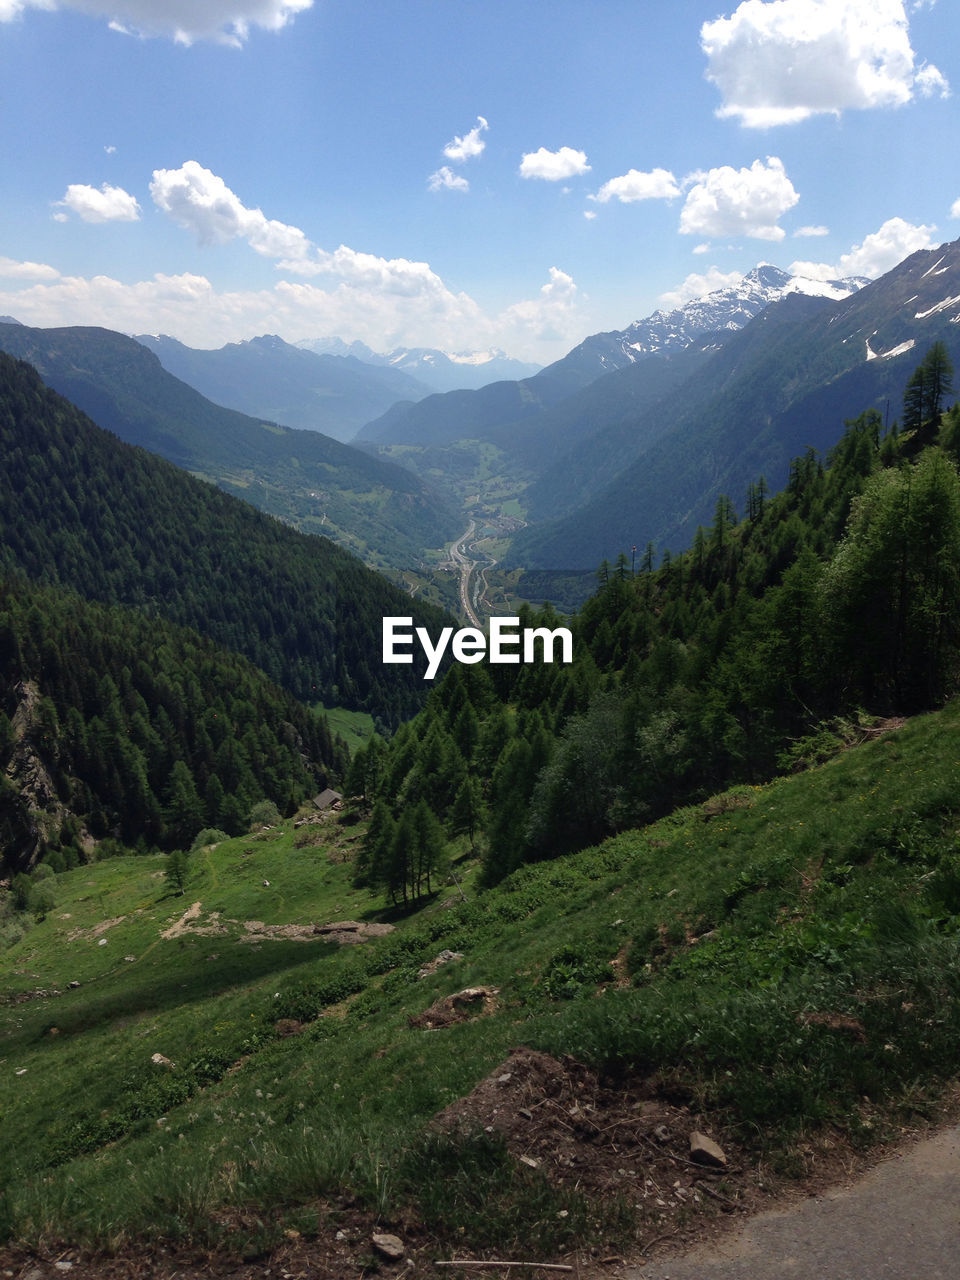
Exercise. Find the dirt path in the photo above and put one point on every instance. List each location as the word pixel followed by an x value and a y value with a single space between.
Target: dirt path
pixel 899 1221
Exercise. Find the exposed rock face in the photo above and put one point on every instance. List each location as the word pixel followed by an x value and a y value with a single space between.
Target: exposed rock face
pixel 32 811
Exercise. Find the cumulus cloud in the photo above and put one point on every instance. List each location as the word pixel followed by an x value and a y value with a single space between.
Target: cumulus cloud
pixel 551 318
pixel 812 231
pixel 109 204
pixel 554 166
pixel 659 184
pixel 955 209
pixel 186 21
pixel 697 284
pixel 739 202
pixel 446 180
pixel 368 303
pixel 10 269
pixel 879 252
pixel 470 145
pixel 201 202
pixel 782 61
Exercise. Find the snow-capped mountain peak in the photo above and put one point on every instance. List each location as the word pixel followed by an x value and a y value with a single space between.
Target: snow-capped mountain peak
pixel 728 308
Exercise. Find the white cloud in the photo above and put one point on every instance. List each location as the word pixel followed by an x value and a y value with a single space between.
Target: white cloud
pixel 702 248
pixel 109 204
pixel 739 202
pixel 446 180
pixel 955 209
pixel 931 82
pixel 553 166
pixel 696 285
pixel 551 319
pixel 371 303
pixel 812 231
pixel 13 270
pixel 197 199
pixel 659 184
pixel 784 61
pixel 470 145
pixel 879 252
pixel 225 21
pixel 589 214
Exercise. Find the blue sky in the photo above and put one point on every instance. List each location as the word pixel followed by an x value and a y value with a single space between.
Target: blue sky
pixel 458 173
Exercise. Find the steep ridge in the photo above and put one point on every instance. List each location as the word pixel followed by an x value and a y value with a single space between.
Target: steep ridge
pixel 374 508
pixel 784 383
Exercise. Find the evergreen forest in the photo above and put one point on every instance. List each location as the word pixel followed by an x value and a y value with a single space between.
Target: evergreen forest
pixel 782 629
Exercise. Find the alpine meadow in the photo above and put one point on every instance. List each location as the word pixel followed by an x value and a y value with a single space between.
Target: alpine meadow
pixel 479 773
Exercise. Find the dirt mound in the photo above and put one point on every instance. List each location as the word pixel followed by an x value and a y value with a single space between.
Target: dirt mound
pixel 557 1116
pixel 472 1002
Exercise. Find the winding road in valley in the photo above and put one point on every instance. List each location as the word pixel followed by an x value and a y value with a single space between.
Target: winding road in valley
pixel 472 588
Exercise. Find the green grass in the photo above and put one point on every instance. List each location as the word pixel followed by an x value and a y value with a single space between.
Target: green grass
pixel 355 727
pixel 751 927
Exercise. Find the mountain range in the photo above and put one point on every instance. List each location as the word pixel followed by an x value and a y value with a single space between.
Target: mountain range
pixel 269 378
pixel 507 413
pixel 784 383
pixel 381 511
pixel 440 370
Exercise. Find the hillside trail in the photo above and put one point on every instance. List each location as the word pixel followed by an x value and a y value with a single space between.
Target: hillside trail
pixel 898 1221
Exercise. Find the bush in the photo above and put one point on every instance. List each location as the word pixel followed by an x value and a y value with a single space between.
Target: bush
pixel 209 835
pixel 264 814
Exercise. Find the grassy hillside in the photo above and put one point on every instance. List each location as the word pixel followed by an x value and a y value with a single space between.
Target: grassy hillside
pixel 779 961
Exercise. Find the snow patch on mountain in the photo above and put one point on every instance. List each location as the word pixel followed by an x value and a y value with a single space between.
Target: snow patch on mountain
pixel 728 308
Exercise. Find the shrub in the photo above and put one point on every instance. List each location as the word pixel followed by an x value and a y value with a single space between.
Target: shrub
pixel 209 835
pixel 264 814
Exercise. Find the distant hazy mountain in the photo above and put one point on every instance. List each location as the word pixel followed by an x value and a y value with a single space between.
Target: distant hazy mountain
pixel 783 383
pixel 440 370
pixel 378 510
pixel 269 378
pixel 723 309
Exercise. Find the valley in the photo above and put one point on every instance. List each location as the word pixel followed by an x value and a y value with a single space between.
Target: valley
pixel 329 951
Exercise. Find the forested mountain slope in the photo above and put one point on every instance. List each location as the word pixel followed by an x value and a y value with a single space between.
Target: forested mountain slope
pixel 376 509
pixel 116 724
pixel 118 525
pixel 839 596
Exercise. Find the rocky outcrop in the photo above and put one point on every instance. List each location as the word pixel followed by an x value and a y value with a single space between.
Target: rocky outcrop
pixel 31 813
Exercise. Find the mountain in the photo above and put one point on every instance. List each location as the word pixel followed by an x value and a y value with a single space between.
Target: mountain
pixel 269 378
pixel 118 525
pixel 784 383
pixel 440 370
pixel 376 509
pixel 505 413
pixel 722 309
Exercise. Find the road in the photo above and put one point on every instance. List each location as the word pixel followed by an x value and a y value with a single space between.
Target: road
pixel 900 1221
pixel 459 555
